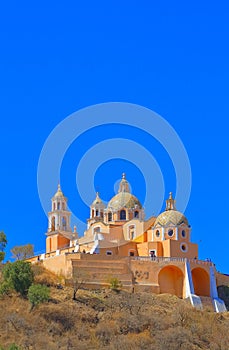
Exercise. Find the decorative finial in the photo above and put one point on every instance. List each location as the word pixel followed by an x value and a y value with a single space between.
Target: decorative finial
pixel 170 203
pixel 124 185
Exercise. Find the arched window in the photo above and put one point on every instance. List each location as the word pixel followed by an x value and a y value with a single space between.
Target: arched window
pixel 58 206
pixel 63 206
pixel 96 212
pixel 64 224
pixel 136 214
pixel 109 216
pixel 157 233
pixel 122 215
pixel 53 223
pixel 183 233
pixel 170 233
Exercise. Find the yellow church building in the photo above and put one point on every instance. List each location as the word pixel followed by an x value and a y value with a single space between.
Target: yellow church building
pixel 154 255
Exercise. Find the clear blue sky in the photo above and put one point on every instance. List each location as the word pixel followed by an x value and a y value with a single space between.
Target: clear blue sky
pixel 171 57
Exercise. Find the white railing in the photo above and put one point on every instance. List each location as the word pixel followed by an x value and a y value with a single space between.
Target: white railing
pixel 172 259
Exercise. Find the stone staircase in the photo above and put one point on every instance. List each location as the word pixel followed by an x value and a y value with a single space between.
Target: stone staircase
pixel 97 273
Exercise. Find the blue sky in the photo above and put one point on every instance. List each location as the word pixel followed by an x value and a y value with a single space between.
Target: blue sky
pixel 171 57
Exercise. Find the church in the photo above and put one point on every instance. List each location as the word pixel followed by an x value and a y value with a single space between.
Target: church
pixel 154 255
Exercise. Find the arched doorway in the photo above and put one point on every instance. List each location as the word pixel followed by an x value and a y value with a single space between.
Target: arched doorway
pixel 201 281
pixel 171 280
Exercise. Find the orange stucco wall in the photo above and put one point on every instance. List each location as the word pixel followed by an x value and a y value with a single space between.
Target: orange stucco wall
pixel 201 281
pixel 172 248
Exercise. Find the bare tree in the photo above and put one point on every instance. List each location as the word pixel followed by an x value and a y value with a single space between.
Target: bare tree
pixel 23 251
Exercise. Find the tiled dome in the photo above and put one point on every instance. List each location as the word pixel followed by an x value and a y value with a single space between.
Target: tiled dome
pixel 124 200
pixel 171 216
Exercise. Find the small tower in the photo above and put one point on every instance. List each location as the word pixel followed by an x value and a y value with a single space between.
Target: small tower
pixel 170 203
pixel 124 184
pixel 59 217
pixel 96 210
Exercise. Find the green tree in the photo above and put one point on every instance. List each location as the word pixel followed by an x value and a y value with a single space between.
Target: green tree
pixel 19 275
pixel 22 252
pixel 37 294
pixel 3 243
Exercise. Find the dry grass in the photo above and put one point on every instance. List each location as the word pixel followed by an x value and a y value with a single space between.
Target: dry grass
pixel 107 320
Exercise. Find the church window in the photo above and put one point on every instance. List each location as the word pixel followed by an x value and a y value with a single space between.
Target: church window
pixel 63 206
pixel 53 223
pixel 183 247
pixel 109 252
pixel 183 233
pixel 109 216
pixel 157 233
pixel 64 223
pixel 122 215
pixel 96 213
pixel 58 206
pixel 136 214
pixel 131 253
pixel 170 233
pixel 54 206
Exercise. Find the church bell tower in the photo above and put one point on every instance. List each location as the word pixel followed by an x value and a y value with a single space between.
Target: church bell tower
pixel 59 217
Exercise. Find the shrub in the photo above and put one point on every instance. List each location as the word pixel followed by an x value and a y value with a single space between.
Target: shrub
pixel 5 288
pixel 115 284
pixel 37 294
pixel 13 347
pixel 19 275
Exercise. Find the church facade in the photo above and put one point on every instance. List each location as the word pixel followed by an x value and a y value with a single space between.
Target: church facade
pixel 154 255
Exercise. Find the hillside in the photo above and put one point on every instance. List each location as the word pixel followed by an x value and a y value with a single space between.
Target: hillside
pixel 110 320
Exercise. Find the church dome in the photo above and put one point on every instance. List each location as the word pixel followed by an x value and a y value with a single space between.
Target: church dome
pixel 98 201
pixel 124 199
pixel 171 215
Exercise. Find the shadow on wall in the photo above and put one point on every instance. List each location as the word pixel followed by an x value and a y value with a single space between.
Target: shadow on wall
pixel 201 282
pixel 223 292
pixel 171 281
